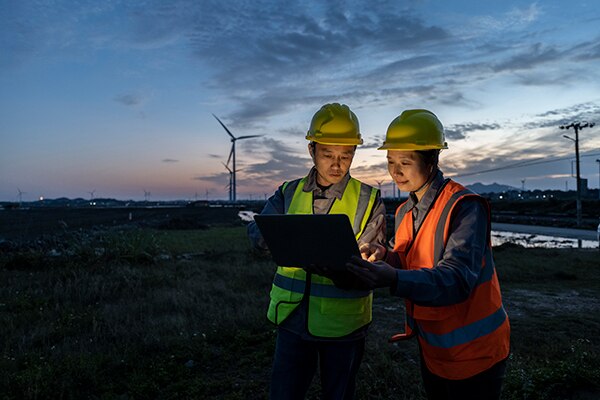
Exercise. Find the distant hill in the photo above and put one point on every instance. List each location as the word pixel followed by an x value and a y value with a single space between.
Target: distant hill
pixel 481 188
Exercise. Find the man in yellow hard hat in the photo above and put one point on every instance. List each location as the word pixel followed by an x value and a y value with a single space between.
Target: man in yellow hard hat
pixel 323 320
pixel 441 263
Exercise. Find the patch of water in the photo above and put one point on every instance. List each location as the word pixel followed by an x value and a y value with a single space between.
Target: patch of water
pixel 532 240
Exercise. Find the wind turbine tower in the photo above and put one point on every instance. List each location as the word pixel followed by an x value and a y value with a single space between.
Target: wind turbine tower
pixel 232 154
pixel 21 193
pixel 230 186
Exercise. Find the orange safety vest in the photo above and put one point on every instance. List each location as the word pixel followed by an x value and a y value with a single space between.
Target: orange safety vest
pixel 460 340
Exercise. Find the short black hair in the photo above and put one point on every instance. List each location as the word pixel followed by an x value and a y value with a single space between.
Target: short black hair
pixel 430 157
pixel 313 144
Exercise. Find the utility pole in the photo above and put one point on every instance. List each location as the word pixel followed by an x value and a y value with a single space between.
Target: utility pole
pixel 577 126
pixel 598 161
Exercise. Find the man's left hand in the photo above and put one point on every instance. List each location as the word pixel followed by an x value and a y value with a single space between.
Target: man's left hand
pixel 374 275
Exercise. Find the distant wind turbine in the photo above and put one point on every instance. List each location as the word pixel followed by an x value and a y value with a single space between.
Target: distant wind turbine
pixel 232 154
pixel 92 194
pixel 20 194
pixel 230 185
pixel 147 194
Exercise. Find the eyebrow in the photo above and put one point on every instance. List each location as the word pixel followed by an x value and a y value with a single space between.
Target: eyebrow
pixel 343 152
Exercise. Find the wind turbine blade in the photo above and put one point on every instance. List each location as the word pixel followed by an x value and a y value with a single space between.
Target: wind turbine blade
pixel 224 127
pixel 227 166
pixel 249 136
pixel 230 154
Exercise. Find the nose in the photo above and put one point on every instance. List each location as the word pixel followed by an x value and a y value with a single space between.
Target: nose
pixel 397 170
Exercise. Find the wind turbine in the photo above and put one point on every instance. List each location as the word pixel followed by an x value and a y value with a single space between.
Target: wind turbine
pixel 232 154
pixel 146 195
pixel 92 194
pixel 21 193
pixel 230 185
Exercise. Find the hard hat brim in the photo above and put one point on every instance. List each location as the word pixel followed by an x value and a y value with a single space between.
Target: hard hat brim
pixel 336 141
pixel 411 146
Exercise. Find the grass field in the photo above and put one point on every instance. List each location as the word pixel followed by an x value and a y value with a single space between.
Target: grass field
pixel 154 314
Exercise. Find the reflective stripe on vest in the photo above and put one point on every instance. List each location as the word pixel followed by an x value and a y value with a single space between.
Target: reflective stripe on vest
pixel 460 340
pixel 332 312
pixel 317 289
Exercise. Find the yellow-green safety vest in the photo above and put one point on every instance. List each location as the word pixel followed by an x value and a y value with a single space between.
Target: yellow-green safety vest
pixel 332 311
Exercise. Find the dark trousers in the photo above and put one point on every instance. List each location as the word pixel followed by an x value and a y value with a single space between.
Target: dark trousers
pixel 483 386
pixel 296 361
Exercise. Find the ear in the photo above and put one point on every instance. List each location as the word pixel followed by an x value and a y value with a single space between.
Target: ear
pixel 311 151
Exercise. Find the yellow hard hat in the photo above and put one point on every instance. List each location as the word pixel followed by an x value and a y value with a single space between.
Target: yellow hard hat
pixel 415 130
pixel 334 124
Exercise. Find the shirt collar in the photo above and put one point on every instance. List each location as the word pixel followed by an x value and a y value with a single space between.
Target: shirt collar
pixel 336 190
pixel 429 196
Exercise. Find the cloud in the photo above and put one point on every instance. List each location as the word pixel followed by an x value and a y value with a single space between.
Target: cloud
pixel 534 148
pixel 306 54
pixel 281 159
pixel 371 172
pixel 589 50
pixel 128 99
pixel 518 16
pixel 295 132
pixel 589 111
pixel 273 162
pixel 460 131
pixel 169 160
pixel 372 142
pixel 292 52
pixel 536 54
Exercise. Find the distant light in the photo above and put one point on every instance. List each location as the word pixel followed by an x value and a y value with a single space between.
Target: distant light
pixel 501 197
pixel 41 198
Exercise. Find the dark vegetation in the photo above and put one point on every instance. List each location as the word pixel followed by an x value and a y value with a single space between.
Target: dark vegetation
pixel 139 312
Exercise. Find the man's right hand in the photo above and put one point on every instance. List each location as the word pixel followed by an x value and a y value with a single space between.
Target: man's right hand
pixel 372 252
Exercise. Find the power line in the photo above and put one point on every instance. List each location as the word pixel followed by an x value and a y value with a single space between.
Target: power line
pixel 522 164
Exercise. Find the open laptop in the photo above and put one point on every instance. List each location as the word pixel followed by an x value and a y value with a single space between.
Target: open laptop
pixel 302 240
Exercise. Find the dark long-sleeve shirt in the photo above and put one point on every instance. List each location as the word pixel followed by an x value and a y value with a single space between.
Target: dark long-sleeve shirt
pixel 456 274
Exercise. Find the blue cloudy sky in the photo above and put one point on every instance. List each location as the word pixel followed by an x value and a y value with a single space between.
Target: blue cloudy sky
pixel 117 97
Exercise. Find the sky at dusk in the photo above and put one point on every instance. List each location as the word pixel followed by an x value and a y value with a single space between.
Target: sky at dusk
pixel 116 97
